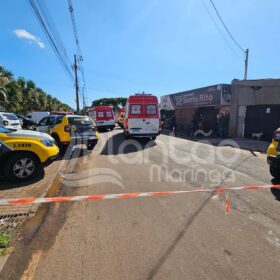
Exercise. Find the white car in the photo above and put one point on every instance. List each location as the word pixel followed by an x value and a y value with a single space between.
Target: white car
pixel 9 120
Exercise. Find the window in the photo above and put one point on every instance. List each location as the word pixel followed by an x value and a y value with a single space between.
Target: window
pixel 80 121
pixel 135 109
pixel 109 114
pixel 42 122
pixel 51 121
pixel 11 117
pixel 151 109
pixel 100 114
pixel 59 119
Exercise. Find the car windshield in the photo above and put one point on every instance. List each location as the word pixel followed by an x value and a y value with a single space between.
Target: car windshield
pixel 11 117
pixel 4 130
pixel 80 121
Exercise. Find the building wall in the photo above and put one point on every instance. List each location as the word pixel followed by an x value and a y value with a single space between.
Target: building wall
pixel 250 92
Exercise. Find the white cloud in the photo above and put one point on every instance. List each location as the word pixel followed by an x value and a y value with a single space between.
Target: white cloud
pixel 22 33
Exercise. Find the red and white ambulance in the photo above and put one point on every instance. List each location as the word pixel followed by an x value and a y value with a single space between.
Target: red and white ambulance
pixel 142 116
pixel 103 117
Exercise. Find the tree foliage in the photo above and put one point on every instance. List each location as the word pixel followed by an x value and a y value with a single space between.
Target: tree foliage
pixel 22 96
pixel 117 102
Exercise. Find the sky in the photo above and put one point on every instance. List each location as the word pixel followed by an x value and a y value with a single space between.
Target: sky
pixel 155 46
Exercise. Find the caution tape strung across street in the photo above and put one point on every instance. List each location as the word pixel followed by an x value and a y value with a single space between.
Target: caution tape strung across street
pixel 217 192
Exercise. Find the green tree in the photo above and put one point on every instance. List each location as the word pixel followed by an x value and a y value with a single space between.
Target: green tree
pixel 117 102
pixel 23 96
pixel 5 78
pixel 14 98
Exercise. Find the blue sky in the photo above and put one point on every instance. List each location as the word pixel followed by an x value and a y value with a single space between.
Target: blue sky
pixel 156 46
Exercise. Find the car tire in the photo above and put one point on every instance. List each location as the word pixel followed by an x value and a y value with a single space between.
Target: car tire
pixel 21 167
pixel 62 148
pixel 126 135
pixel 275 171
pixel 91 146
pixel 154 137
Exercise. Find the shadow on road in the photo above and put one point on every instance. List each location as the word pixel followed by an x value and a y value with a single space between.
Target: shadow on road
pixel 117 144
pixel 274 191
pixel 6 185
pixel 247 144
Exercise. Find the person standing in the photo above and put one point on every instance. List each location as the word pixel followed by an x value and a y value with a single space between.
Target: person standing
pixel 222 125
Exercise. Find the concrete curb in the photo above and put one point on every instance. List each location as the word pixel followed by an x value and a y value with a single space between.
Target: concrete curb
pixel 33 223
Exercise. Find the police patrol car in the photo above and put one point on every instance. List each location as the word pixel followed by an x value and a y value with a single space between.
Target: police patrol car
pixel 23 151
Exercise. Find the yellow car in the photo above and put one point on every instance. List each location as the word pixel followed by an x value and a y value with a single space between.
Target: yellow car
pixel 273 155
pixel 23 151
pixel 75 129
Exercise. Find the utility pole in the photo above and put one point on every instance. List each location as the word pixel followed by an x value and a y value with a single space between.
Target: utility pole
pixel 84 101
pixel 76 84
pixel 246 63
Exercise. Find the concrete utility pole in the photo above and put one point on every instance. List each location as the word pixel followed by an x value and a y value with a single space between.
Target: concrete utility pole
pixel 246 63
pixel 76 84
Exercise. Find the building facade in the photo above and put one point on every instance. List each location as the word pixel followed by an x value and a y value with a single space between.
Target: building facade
pixel 251 106
pixel 255 108
pixel 198 108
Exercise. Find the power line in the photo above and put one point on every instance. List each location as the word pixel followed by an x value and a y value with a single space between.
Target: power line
pixel 79 51
pixel 46 23
pixel 52 27
pixel 226 28
pixel 71 9
pixel 218 28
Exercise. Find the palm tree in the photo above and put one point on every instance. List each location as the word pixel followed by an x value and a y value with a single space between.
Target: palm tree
pixel 23 95
pixel 14 98
pixel 42 98
pixel 28 92
pixel 5 78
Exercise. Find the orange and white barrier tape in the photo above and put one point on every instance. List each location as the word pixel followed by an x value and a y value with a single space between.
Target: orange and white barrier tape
pixel 218 192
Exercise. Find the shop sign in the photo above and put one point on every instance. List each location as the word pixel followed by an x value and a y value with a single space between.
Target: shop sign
pixel 209 96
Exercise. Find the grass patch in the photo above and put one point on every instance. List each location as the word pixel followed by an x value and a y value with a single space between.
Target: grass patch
pixel 5 238
pixel 3 251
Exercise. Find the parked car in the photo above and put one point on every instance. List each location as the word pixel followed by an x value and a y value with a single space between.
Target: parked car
pixel 273 155
pixel 9 120
pixel 75 129
pixel 142 116
pixel 103 117
pixel 47 123
pixel 23 151
pixel 25 122
pixel 37 116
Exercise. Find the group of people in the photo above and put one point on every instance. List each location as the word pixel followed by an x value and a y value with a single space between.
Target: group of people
pixel 200 123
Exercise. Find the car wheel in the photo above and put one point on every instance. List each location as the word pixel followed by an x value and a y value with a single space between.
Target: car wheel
pixel 126 135
pixel 91 146
pixel 62 148
pixel 21 167
pixel 275 171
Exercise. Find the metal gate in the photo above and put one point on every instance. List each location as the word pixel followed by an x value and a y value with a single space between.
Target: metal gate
pixel 262 119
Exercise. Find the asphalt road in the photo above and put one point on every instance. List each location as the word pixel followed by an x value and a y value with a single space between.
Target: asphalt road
pixel 185 236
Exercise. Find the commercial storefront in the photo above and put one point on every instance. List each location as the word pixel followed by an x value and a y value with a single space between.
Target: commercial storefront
pixel 199 107
pixel 255 108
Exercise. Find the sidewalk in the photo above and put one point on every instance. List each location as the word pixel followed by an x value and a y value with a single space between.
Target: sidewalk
pixel 243 143
pixel 12 217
